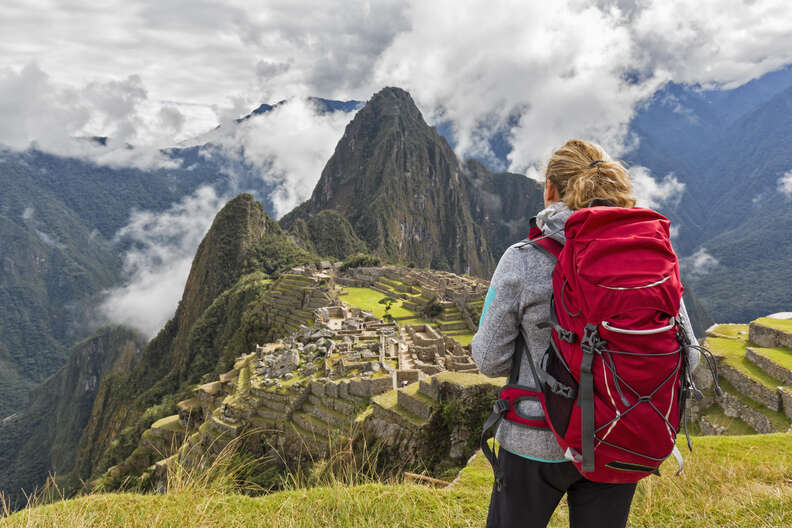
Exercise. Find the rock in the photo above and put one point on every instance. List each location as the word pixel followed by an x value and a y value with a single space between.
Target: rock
pixel 288 376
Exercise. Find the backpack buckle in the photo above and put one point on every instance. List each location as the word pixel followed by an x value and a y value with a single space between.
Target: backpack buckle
pixel 501 406
pixel 591 341
pixel 567 335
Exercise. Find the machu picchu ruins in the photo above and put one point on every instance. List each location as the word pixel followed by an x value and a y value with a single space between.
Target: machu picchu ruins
pixel 371 351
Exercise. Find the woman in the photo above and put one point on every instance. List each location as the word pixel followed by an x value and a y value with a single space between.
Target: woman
pixel 535 473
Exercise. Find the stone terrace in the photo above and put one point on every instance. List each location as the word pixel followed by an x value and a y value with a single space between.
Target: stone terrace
pixel 755 365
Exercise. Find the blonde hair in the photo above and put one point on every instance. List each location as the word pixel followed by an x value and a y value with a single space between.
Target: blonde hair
pixel 582 172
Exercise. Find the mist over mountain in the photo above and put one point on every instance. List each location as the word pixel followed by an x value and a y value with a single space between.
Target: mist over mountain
pixel 729 149
pixel 84 241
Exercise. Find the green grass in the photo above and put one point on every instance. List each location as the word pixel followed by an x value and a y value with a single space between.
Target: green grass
pixel 465 379
pixel 389 400
pixel 169 423
pixel 416 321
pixel 778 324
pixel 733 353
pixel 734 426
pixel 739 331
pixel 368 299
pixel 463 339
pixel 741 481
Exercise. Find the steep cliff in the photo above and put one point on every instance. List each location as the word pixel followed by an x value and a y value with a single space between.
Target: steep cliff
pixel 43 437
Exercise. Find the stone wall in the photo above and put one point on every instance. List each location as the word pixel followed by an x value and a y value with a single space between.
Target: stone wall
pixel 750 388
pixel 773 369
pixel 767 337
pixel 710 429
pixel 734 408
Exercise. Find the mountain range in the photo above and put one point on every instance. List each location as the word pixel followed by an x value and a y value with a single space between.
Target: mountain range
pixel 393 188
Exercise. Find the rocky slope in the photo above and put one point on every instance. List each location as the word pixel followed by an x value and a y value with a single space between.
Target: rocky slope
pixel 403 190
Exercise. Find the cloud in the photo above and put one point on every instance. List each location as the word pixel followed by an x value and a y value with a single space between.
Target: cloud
pixel 654 193
pixel 37 112
pixel 785 184
pixel 158 263
pixel 289 146
pixel 578 69
pixel 539 75
pixel 699 263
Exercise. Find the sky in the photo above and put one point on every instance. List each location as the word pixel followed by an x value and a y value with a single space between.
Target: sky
pixel 158 73
pixel 164 70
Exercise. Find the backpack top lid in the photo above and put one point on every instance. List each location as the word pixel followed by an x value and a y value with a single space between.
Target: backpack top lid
pixel 618 259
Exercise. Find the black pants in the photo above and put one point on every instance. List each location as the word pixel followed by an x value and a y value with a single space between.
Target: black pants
pixel 531 491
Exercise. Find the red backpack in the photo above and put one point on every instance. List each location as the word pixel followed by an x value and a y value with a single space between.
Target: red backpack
pixel 612 378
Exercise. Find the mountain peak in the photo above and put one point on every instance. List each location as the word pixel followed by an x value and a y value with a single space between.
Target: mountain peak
pixel 400 186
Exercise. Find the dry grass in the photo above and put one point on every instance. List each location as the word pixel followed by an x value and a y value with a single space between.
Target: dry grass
pixel 728 481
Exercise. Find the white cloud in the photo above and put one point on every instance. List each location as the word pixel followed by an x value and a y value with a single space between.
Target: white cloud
pixel 674 232
pixel 542 73
pixel 576 69
pixel 699 263
pixel 654 193
pixel 158 263
pixel 28 213
pixel 289 145
pixel 785 184
pixel 57 118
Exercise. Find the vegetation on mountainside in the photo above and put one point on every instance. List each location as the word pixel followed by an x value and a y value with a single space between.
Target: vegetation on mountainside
pixel 728 481
pixel 58 217
pixel 51 263
pixel 730 148
pixel 44 437
pixel 360 260
pixel 402 189
pixel 328 234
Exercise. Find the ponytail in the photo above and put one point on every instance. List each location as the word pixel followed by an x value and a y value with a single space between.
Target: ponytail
pixel 583 172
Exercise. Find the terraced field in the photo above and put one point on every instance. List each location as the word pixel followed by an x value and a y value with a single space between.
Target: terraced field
pixel 757 380
pixel 449 321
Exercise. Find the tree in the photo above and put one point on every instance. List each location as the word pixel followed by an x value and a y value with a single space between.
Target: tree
pixel 388 302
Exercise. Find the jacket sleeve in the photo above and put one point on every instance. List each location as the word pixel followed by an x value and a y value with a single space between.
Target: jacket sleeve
pixel 493 344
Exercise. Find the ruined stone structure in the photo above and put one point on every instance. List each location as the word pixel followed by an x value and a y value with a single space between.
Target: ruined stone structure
pixel 755 366
pixel 338 372
pixel 459 298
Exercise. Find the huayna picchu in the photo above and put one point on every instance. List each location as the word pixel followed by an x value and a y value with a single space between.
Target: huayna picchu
pixel 408 197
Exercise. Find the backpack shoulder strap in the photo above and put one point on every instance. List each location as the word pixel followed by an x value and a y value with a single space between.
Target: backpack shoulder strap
pixel 538 239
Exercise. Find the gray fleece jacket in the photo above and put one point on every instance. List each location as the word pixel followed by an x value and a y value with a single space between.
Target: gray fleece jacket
pixel 519 299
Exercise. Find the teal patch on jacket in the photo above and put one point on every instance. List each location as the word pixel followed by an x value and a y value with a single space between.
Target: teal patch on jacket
pixel 487 301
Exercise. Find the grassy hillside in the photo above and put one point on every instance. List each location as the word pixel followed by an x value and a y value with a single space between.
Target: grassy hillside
pixel 728 481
